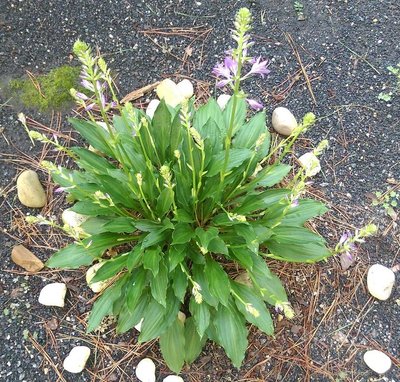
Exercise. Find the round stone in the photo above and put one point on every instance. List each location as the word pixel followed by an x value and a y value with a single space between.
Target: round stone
pixel 283 121
pixel 30 191
pixel 377 361
pixel 380 281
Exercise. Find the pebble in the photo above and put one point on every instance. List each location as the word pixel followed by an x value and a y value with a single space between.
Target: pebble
pixel 283 121
pixel 173 93
pixel 380 281
pixel 76 359
pixel 90 273
pixel 377 361
pixel 151 107
pixel 223 100
pixel 146 370
pixel 53 295
pixel 73 219
pixel 310 163
pixel 173 378
pixel 186 88
pixel 30 191
pixel 26 259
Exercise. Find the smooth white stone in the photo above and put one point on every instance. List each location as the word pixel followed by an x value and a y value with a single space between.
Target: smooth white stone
pixel 310 163
pixel 30 191
pixel 380 281
pixel 377 361
pixel 283 121
pixel 186 88
pixel 53 295
pixel 73 219
pixel 146 370
pixel 169 91
pixel 173 378
pixel 152 107
pixel 76 359
pixel 223 100
pixel 90 273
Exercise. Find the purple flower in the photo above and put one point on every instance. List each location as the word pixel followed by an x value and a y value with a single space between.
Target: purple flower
pixel 258 67
pixel 231 64
pixel 254 104
pixel 81 96
pixel 346 236
pixel 59 190
pixel 90 107
pixel 227 71
pixel 295 203
pixel 87 85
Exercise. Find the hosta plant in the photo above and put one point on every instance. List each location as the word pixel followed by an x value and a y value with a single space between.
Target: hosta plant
pixel 188 200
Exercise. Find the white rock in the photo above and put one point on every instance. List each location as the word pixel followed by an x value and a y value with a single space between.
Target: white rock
pixel 73 219
pixel 223 100
pixel 146 370
pixel 138 326
pixel 182 317
pixel 310 162
pixel 169 91
pixel 30 191
pixel 283 121
pixel 151 107
pixel 186 88
pixel 377 361
pixel 76 359
pixel 380 281
pixel 90 273
pixel 53 295
pixel 173 378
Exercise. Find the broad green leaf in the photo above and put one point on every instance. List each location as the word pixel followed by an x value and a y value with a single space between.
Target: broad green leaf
pixel 176 254
pixel 218 280
pixel 182 233
pixel 94 134
pixel 121 224
pixel 243 256
pixel 155 237
pixel 110 268
pixel 104 304
pixel 261 317
pixel 151 259
pixel 240 114
pixel 260 201
pixel 176 135
pixel 199 276
pixel 306 210
pixel 193 343
pixel 134 258
pixel 236 158
pixel 91 162
pixel 250 133
pixel 268 283
pixel 271 175
pixel 209 111
pixel 294 235
pixel 97 244
pixel 88 207
pixel 206 236
pixel 217 245
pixel 179 283
pixel 159 284
pixel 135 287
pixel 201 315
pixel 72 256
pixel 231 332
pixel 161 129
pixel 172 346
pixel 164 202
pixel 128 318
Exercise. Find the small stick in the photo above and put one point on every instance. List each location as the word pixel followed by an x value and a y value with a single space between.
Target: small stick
pixel 296 53
pixel 360 57
pixel 132 96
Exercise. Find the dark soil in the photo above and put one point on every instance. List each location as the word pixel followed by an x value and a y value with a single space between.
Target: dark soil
pixel 346 47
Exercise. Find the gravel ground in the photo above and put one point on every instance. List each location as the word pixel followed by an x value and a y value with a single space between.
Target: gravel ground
pixel 346 47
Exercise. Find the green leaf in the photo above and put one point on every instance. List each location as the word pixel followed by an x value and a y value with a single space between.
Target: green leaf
pixel 260 201
pixel 250 132
pixel 199 276
pixel 128 318
pixel 243 256
pixel 206 236
pixel 104 304
pixel 182 234
pixel 134 258
pixel 209 111
pixel 88 207
pixel 268 283
pixel 218 280
pixel 164 202
pixel 172 346
pixel 120 224
pixel 306 210
pixel 201 315
pixel 135 287
pixel 231 332
pixel 271 175
pixel 110 268
pixel 155 237
pixel 161 129
pixel 72 256
pixel 91 162
pixel 263 321
pixel 217 245
pixel 179 284
pixel 240 113
pixel 94 134
pixel 159 284
pixel 151 259
pixel 193 343
pixel 176 254
pixel 236 158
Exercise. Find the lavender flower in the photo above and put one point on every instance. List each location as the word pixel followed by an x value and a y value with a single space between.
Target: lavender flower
pixel 254 104
pixel 81 96
pixel 227 70
pixel 87 85
pixel 258 67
